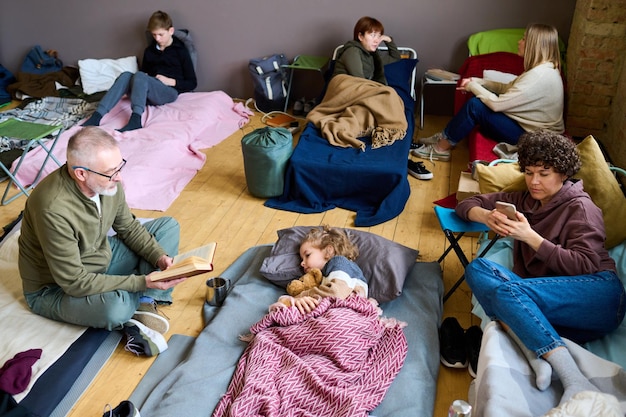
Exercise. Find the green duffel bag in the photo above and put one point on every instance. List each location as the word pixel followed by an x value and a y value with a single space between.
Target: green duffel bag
pixel 265 154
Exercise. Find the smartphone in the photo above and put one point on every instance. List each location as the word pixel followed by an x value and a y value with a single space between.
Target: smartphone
pixel 507 208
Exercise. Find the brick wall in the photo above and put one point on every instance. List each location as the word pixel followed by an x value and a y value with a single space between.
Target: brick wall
pixel 596 75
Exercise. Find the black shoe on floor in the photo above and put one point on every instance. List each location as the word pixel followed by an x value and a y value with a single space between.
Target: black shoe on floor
pixel 453 353
pixel 473 340
pixel 125 409
pixel 419 171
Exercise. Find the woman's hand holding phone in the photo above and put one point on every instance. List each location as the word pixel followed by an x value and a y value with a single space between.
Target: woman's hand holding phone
pixel 507 209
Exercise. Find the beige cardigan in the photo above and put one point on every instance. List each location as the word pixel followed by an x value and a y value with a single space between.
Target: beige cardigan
pixel 534 99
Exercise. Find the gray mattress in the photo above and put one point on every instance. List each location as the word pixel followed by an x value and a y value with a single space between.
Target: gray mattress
pixel 191 376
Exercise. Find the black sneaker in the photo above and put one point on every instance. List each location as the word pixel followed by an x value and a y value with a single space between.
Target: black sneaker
pixel 419 171
pixel 415 145
pixel 452 344
pixel 125 409
pixel 473 339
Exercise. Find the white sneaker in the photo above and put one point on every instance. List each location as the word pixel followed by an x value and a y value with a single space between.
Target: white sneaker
pixel 429 152
pixel 142 340
pixel 431 140
pixel 148 315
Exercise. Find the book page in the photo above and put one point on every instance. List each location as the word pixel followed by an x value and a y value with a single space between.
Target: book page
pixel 206 252
pixel 190 263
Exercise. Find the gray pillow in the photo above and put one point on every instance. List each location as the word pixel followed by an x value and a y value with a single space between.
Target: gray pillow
pixel 384 263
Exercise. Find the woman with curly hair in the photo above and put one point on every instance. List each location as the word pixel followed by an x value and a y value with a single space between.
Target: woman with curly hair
pixel 503 111
pixel 563 282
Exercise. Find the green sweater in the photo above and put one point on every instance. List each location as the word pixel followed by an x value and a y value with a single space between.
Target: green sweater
pixel 63 239
pixel 353 59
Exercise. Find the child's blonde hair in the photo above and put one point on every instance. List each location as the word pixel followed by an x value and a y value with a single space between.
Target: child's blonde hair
pixel 159 20
pixel 325 236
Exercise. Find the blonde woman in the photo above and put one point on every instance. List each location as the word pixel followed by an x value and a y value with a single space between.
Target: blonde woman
pixel 532 101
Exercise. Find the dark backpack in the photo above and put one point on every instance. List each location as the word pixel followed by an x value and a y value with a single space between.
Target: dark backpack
pixel 269 77
pixel 6 78
pixel 38 61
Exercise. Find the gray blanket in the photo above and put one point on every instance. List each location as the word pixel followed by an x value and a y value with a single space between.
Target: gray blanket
pixel 194 384
pixel 505 382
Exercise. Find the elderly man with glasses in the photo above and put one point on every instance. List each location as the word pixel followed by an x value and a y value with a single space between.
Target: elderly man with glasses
pixel 73 270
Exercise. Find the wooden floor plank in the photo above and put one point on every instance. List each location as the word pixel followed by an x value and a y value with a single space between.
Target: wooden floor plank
pixel 216 206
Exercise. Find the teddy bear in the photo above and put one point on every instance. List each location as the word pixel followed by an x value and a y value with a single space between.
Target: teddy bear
pixel 311 279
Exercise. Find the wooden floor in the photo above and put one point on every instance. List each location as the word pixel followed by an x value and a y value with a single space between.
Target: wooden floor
pixel 216 206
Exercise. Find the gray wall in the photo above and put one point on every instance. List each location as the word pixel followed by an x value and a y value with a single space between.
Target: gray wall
pixel 230 32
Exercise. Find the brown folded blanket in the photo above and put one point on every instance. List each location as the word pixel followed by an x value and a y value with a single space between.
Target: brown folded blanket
pixel 354 107
pixel 43 85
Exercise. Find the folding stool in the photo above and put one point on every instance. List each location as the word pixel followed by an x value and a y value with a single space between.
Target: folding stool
pixel 35 134
pixel 303 62
pixel 454 229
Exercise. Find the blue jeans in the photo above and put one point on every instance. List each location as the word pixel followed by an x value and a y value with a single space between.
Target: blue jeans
pixel 542 310
pixel 142 88
pixel 112 309
pixel 495 125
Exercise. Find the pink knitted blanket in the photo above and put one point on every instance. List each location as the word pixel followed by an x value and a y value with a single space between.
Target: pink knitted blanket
pixel 338 360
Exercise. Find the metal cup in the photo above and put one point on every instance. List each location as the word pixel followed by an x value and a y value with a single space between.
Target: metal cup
pixel 216 290
pixel 460 408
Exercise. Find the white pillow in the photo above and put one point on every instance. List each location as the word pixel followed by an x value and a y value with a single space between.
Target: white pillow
pixel 99 74
pixel 499 76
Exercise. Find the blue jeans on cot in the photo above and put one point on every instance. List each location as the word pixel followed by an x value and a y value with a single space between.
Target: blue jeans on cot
pixel 495 125
pixel 142 89
pixel 541 310
pixel 112 309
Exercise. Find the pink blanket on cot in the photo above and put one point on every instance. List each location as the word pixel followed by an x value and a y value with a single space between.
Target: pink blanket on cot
pixel 338 360
pixel 164 155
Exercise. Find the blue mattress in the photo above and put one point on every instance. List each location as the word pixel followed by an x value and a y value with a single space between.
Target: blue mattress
pixel 373 183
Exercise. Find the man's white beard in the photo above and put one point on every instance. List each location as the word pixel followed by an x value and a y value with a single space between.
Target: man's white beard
pixel 110 192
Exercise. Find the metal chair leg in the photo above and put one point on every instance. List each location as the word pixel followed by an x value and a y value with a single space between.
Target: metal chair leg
pixel 465 262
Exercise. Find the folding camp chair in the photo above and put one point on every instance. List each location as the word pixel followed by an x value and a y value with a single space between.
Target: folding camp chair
pixel 35 134
pixel 303 62
pixel 455 228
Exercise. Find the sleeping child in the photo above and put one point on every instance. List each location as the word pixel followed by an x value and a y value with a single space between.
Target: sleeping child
pixel 330 251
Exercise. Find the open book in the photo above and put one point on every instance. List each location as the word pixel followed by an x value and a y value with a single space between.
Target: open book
pixel 195 262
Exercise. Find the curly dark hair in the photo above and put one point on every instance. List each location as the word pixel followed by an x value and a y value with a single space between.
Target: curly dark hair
pixel 548 149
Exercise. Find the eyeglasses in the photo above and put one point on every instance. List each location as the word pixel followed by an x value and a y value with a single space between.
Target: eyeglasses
pixel 110 177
